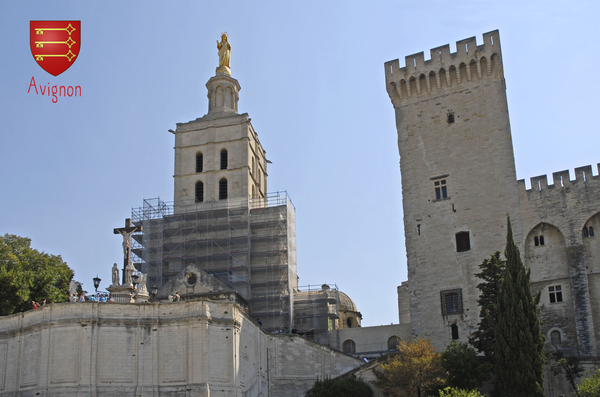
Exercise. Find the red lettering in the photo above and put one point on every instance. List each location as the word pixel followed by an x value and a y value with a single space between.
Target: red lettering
pixel 76 87
pixel 70 91
pixel 43 90
pixel 62 91
pixel 32 83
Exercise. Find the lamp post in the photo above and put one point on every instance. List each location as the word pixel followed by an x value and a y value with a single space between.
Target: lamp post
pixel 96 284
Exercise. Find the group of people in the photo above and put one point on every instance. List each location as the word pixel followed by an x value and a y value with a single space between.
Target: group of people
pixel 35 305
pixel 73 298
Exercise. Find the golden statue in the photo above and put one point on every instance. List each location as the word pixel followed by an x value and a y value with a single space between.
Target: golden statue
pixel 224 54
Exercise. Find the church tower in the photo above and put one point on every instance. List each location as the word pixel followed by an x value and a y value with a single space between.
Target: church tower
pixel 219 156
pixel 222 221
pixel 458 180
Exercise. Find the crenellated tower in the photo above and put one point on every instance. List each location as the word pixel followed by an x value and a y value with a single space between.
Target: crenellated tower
pixel 458 179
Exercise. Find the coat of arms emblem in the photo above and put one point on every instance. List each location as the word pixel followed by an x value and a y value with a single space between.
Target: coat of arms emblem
pixel 55 44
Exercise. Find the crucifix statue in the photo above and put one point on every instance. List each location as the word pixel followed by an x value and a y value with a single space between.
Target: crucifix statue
pixel 126 232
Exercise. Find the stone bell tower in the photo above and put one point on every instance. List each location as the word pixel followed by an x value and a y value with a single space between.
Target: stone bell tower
pixel 218 156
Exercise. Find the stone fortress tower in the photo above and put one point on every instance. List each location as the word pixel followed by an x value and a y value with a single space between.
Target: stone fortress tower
pixel 458 185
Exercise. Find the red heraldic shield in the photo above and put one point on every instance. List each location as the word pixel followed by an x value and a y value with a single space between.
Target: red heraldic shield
pixel 55 44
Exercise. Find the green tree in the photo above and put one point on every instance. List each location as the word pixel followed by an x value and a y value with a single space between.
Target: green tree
pixel 455 392
pixel 484 339
pixel 519 349
pixel 570 366
pixel 349 386
pixel 29 275
pixel 590 387
pixel 415 371
pixel 465 370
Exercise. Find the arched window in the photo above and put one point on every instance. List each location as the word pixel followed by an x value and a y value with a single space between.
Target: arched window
pixel 585 232
pixel 199 162
pixel 199 192
pixel 223 189
pixel 555 338
pixel 591 229
pixel 454 329
pixel 224 159
pixel 393 343
pixel 349 322
pixel 541 240
pixel 349 346
pixel 536 241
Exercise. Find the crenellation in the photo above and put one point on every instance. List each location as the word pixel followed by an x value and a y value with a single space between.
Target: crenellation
pixel 470 62
pixel 562 179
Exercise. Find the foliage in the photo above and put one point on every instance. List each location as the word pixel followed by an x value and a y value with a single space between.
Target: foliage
pixel 29 275
pixel 347 386
pixel 456 392
pixel 415 371
pixel 570 366
pixel 519 349
pixel 484 339
pixel 465 370
pixel 590 387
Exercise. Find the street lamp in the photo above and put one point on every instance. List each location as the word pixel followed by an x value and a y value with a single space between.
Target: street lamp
pixel 97 282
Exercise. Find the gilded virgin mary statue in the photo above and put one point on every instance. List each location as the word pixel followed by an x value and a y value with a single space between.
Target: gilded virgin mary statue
pixel 224 55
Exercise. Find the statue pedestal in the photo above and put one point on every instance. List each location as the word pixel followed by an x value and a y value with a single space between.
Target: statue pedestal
pixel 141 297
pixel 122 293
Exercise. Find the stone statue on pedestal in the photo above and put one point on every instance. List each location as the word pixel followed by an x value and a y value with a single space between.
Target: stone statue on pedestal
pixel 115 275
pixel 128 273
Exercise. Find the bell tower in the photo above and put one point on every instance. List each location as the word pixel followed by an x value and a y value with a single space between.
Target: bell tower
pixel 219 156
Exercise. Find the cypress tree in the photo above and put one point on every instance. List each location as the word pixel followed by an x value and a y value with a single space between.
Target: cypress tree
pixel 519 350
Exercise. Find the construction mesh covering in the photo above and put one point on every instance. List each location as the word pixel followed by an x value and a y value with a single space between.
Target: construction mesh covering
pixel 248 244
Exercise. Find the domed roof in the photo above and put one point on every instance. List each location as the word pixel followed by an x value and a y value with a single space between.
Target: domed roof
pixel 346 303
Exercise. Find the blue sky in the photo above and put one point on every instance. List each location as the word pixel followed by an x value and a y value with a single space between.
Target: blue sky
pixel 312 81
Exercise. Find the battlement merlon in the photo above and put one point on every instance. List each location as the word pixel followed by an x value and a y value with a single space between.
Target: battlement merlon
pixel 561 179
pixel 442 61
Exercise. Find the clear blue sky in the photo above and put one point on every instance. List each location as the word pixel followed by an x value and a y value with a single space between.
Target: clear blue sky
pixel 312 81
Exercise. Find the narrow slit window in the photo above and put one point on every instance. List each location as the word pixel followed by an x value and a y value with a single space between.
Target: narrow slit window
pixel 541 240
pixel 441 190
pixel 463 242
pixel 536 241
pixel 585 232
pixel 591 230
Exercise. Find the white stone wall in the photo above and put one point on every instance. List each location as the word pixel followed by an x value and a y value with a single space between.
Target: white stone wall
pixel 200 348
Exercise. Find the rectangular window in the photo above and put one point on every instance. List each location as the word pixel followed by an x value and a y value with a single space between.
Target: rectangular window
pixel 451 302
pixel 463 242
pixel 555 293
pixel 441 190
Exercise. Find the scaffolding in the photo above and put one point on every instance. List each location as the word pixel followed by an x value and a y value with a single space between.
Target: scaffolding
pixel 317 313
pixel 248 244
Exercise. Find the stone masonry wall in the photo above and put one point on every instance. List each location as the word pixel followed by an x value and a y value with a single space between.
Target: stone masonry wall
pixel 199 348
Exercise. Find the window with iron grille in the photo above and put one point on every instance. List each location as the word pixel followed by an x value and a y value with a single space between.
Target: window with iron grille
pixel 199 162
pixel 199 190
pixel 451 302
pixel 223 189
pixel 224 159
pixel 555 293
pixel 463 242
pixel 555 338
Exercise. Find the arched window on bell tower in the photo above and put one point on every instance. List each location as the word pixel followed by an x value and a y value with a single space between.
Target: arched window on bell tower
pixel 224 159
pixel 199 162
pixel 199 191
pixel 223 189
